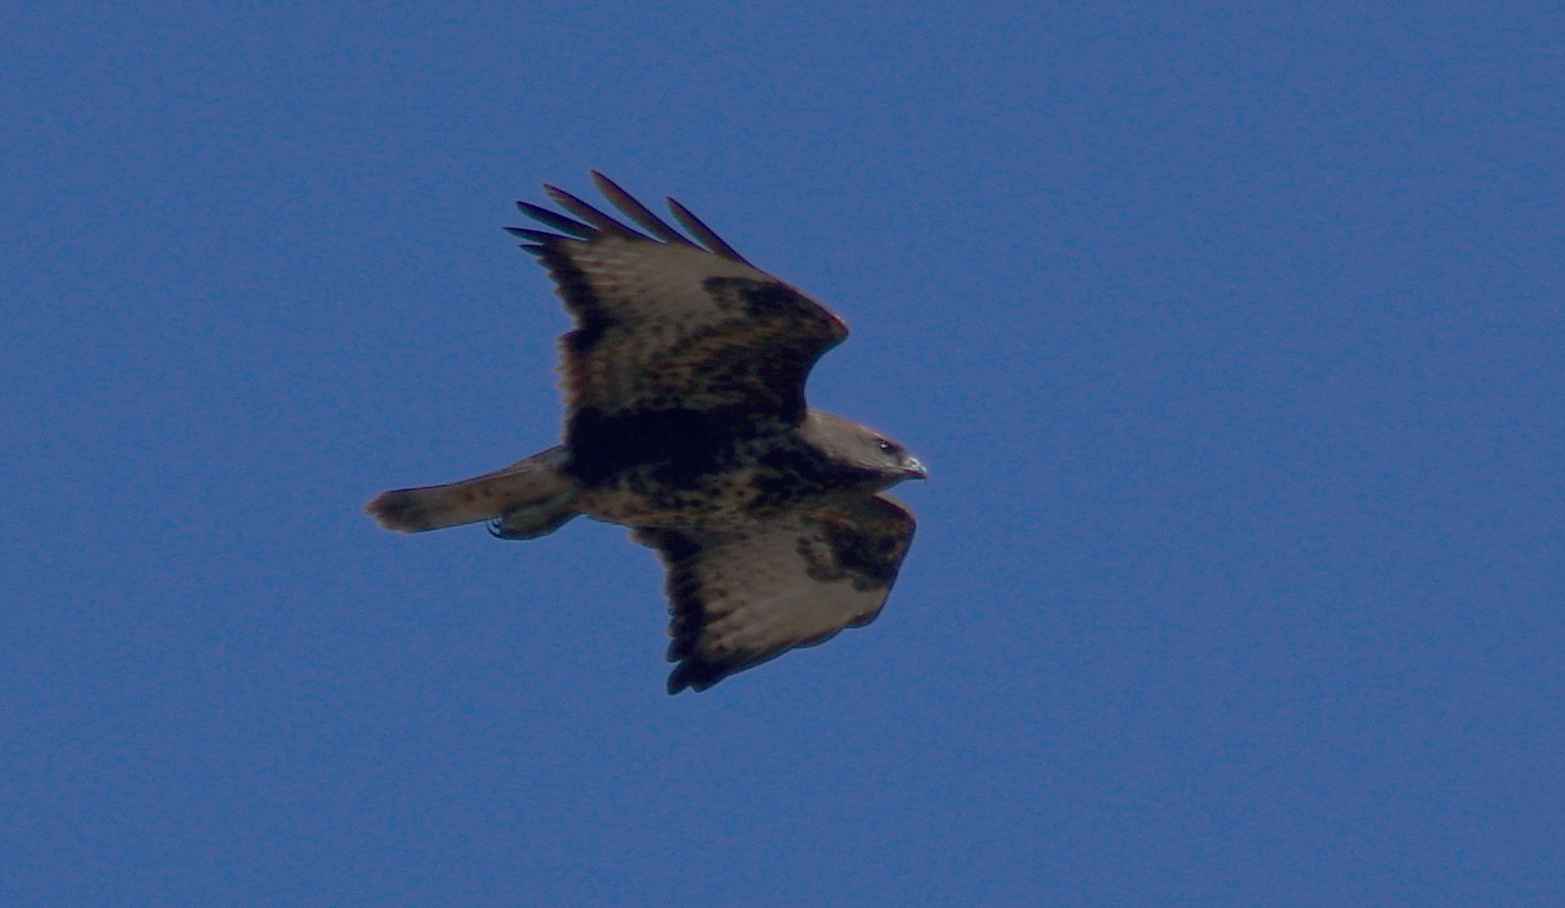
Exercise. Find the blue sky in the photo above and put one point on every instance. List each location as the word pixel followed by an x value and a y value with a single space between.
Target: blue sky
pixel 1232 336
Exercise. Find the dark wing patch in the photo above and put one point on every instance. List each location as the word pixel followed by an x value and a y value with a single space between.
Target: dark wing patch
pixel 666 326
pixel 742 597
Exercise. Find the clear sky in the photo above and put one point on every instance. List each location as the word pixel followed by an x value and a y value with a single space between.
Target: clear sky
pixel 1232 336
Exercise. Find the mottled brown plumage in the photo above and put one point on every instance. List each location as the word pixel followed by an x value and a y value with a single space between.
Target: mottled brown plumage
pixel 685 420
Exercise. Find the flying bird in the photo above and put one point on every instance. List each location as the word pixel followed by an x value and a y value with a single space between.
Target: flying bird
pixel 685 420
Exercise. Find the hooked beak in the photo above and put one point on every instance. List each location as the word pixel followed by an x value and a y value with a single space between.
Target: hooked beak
pixel 914 468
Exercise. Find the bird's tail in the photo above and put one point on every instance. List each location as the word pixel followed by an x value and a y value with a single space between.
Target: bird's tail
pixel 529 498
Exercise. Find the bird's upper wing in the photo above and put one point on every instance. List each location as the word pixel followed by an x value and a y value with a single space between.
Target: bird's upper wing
pixel 669 332
pixel 740 597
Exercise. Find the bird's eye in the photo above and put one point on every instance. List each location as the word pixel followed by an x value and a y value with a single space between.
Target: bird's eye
pixel 885 445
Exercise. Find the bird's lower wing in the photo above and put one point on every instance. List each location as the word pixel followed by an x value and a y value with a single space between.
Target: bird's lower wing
pixel 745 595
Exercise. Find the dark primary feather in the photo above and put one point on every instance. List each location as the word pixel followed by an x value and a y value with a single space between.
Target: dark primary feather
pixel 637 211
pixel 594 221
pixel 590 215
pixel 704 233
pixel 558 221
pixel 532 236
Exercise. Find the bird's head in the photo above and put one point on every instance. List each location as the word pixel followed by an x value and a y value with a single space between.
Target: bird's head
pixel 862 451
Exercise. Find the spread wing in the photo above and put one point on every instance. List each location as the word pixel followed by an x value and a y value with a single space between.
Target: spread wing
pixel 741 597
pixel 669 332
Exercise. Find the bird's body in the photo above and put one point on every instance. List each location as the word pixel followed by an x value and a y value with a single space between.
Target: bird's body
pixel 686 421
pixel 714 476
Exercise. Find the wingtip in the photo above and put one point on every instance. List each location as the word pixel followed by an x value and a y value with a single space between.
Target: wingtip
pixel 694 676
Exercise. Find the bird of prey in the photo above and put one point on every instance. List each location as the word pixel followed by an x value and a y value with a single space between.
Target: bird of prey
pixel 685 420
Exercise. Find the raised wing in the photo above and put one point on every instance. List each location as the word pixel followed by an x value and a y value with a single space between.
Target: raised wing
pixel 741 597
pixel 669 332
